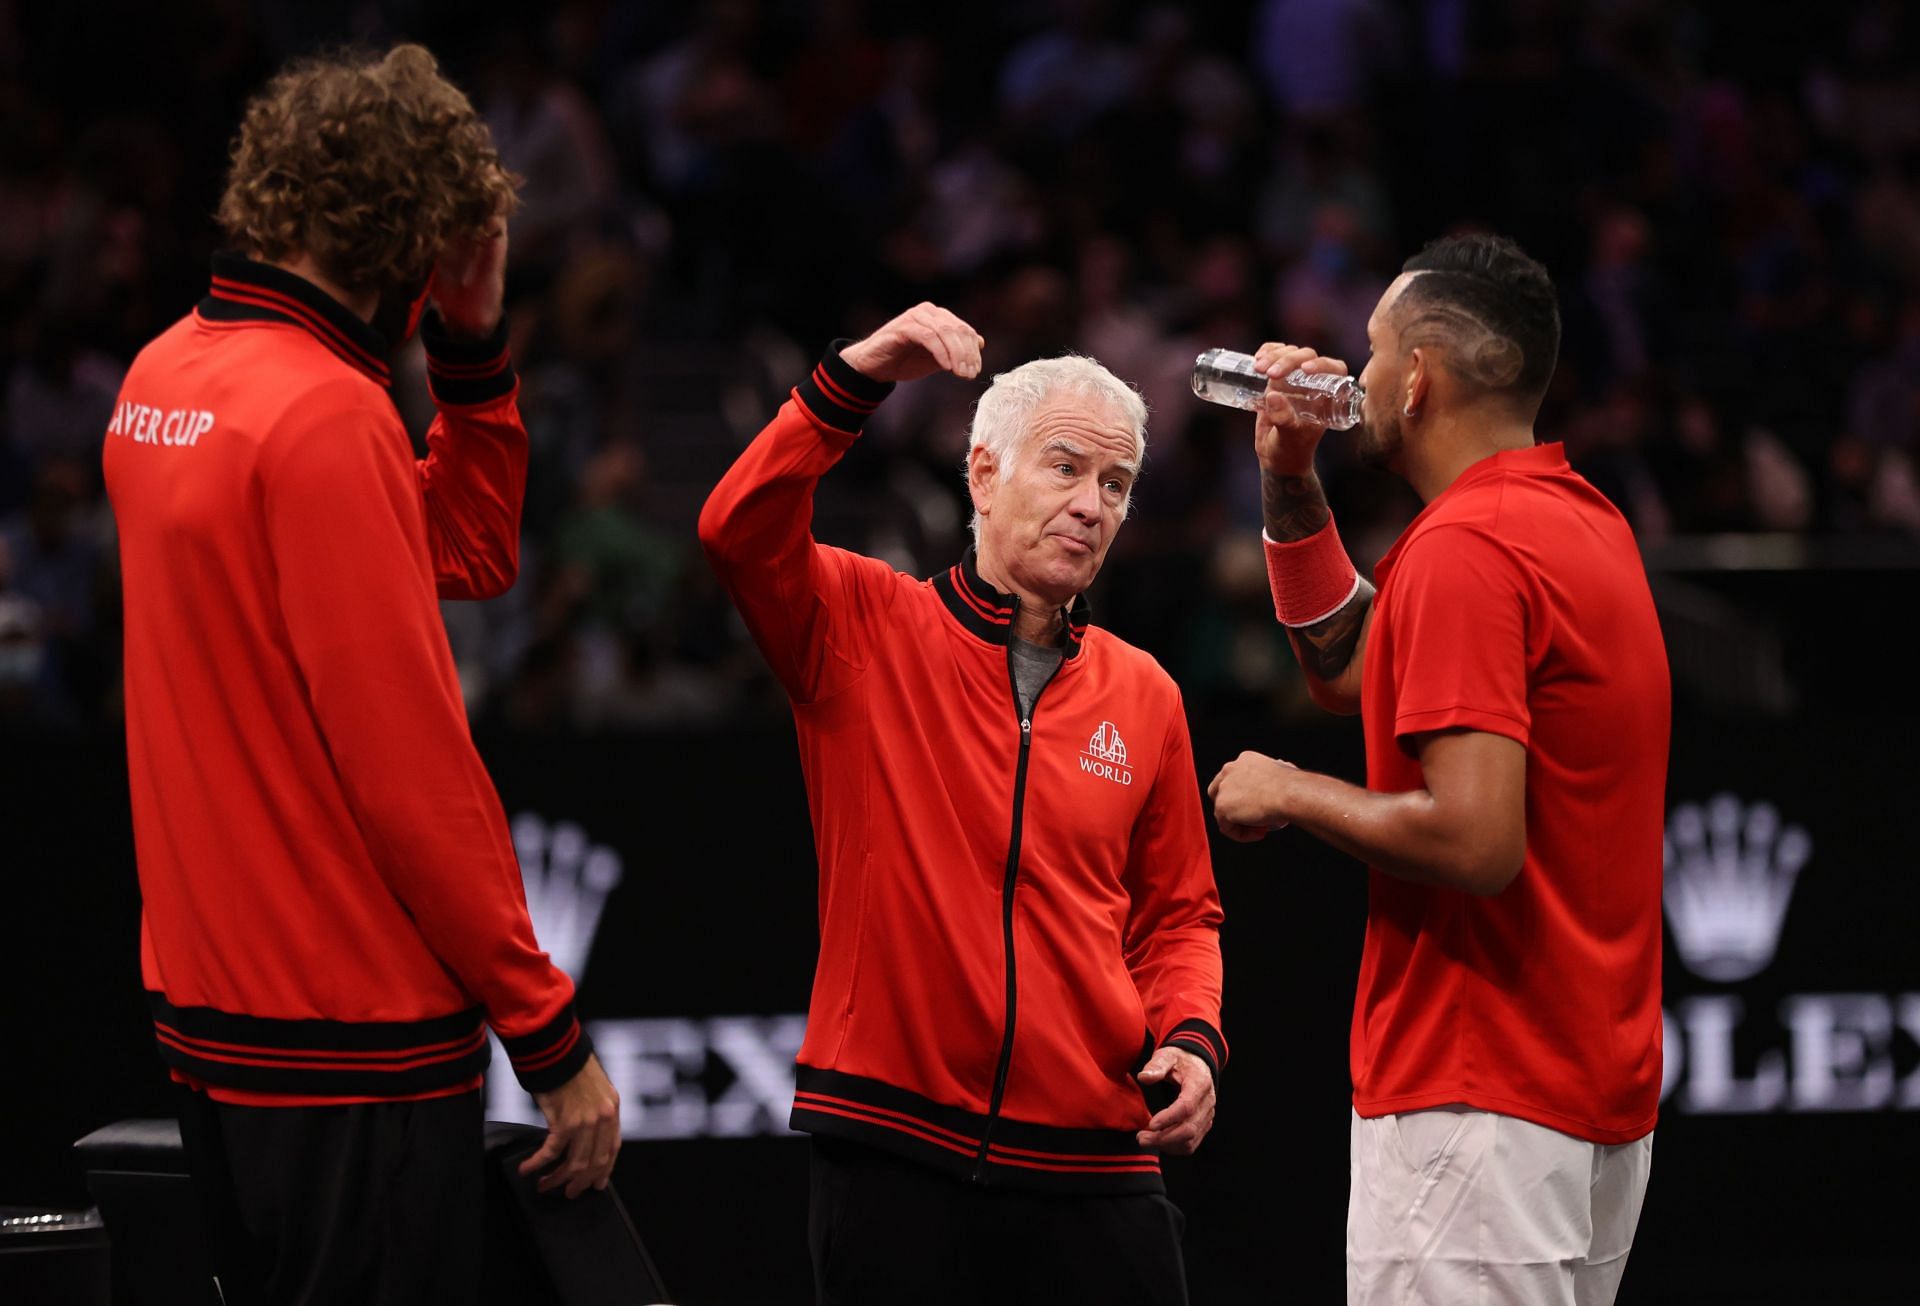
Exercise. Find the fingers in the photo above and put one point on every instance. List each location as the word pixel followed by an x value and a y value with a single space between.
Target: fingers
pixel 1237 799
pixel 592 1147
pixel 933 340
pixel 571 1175
pixel 1276 360
pixel 562 1139
pixel 599 1148
pixel 954 344
pixel 583 1139
pixel 1181 1126
pixel 1184 1138
pixel 1156 1069
pixel 1237 764
pixel 606 1152
pixel 1195 1088
pixel 965 346
pixel 551 1150
pixel 925 338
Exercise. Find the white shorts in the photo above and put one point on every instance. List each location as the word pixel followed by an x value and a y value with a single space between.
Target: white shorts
pixel 1457 1207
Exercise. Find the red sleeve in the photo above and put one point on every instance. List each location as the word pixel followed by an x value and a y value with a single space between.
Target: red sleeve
pixel 344 525
pixel 1461 621
pixel 806 604
pixel 474 477
pixel 1173 930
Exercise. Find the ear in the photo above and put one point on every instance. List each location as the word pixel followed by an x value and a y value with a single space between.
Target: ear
pixel 1419 377
pixel 983 477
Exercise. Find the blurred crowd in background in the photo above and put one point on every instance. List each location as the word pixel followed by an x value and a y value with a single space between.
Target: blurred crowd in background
pixel 715 191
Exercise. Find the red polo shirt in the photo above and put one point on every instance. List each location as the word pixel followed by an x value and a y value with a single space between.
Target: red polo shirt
pixel 1516 604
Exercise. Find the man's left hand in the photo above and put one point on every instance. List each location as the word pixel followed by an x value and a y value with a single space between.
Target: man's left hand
pixel 1249 796
pixel 470 282
pixel 1180 1127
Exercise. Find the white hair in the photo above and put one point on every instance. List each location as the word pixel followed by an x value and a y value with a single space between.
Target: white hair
pixel 1004 416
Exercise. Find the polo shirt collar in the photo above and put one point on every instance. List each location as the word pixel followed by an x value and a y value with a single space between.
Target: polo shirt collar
pixel 1538 460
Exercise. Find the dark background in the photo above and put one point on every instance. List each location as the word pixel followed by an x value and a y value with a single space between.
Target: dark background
pixel 1727 195
pixel 715 917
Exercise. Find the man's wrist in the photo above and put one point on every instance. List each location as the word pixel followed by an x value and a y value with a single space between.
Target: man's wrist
pixel 472 331
pixel 838 395
pixel 858 359
pixel 463 370
pixel 1295 470
pixel 1282 795
pixel 551 1055
pixel 1200 1039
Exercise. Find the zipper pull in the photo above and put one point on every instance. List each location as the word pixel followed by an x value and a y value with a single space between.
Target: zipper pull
pixel 1026 731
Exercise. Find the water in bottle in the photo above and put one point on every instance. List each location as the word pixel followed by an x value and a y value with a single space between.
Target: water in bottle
pixel 1221 376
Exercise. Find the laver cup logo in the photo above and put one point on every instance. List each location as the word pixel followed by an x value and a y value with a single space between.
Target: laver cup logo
pixel 677 1076
pixel 1106 755
pixel 1731 870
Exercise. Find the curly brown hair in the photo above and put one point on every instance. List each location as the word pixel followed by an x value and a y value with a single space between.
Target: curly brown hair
pixel 368 164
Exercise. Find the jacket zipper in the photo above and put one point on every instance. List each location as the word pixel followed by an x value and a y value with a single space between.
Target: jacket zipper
pixel 1006 892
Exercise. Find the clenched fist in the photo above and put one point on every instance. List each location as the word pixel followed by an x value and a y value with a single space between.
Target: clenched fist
pixel 1283 444
pixel 1249 796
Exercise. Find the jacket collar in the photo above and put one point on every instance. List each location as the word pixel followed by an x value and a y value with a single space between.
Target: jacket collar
pixel 247 291
pixel 987 613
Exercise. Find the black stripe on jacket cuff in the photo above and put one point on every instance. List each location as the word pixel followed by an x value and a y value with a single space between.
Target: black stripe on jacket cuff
pixel 461 371
pixel 552 1054
pixel 1201 1039
pixel 838 396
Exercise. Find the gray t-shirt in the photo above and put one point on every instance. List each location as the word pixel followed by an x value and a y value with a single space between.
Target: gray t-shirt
pixel 1033 666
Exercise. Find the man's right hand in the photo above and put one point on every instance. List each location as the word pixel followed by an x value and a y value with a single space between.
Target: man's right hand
pixel 1284 444
pixel 583 1132
pixel 921 341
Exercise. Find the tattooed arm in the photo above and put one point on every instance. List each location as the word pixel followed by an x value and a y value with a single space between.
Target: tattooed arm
pixel 1330 650
pixel 1296 507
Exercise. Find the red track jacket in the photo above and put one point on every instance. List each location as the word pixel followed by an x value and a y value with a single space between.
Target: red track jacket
pixel 333 909
pixel 1013 914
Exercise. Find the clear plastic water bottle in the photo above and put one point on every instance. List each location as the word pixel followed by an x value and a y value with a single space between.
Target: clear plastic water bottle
pixel 1221 376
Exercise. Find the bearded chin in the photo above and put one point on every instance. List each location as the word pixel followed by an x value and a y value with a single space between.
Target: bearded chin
pixel 1379 444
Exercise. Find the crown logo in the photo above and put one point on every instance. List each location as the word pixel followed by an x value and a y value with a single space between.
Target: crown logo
pixel 1730 871
pixel 567 878
pixel 1107 745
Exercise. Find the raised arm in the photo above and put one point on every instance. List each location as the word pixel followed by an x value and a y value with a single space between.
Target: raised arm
pixel 756 526
pixel 1324 603
pixel 473 480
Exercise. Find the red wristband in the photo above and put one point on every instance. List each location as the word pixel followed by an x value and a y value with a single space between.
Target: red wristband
pixel 1312 578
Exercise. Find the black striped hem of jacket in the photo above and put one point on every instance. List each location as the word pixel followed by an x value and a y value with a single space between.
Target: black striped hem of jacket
pixel 1043 1158
pixel 336 1058
pixel 321 1058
